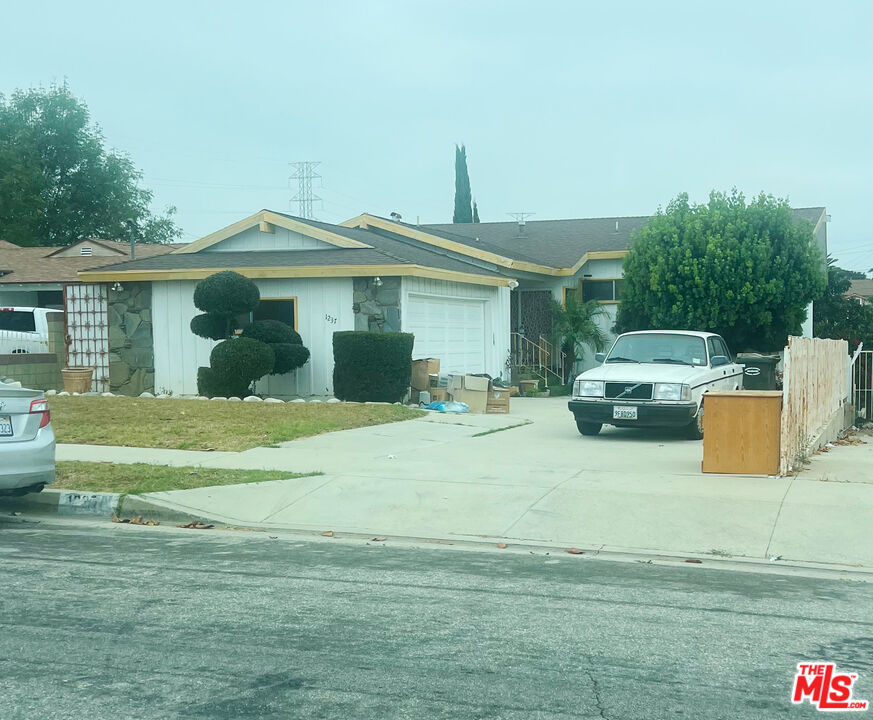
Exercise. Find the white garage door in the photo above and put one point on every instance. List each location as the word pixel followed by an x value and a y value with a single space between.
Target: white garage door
pixel 450 329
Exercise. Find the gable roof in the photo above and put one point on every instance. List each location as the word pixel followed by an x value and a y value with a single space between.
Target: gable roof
pixel 365 253
pixel 40 265
pixel 326 234
pixel 551 247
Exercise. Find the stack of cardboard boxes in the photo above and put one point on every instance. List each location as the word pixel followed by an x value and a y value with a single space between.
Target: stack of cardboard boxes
pixel 475 391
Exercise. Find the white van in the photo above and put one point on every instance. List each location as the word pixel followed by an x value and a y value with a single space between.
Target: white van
pixel 24 330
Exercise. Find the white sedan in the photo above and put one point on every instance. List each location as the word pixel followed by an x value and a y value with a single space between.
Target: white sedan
pixel 27 441
pixel 654 378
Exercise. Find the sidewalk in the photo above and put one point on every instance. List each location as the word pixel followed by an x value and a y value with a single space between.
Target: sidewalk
pixel 625 490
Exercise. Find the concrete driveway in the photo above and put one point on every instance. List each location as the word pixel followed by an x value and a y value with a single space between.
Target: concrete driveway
pixel 531 477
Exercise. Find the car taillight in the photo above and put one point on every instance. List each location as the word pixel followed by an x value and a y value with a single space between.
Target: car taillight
pixel 41 407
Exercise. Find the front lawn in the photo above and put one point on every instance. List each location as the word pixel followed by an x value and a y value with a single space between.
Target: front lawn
pixel 205 425
pixel 140 478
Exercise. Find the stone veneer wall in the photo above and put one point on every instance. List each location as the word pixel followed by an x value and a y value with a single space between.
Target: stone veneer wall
pixel 377 309
pixel 131 348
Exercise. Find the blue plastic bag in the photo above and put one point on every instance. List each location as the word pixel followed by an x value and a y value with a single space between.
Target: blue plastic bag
pixel 449 406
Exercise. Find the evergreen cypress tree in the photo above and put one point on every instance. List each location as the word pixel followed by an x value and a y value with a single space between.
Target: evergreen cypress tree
pixel 475 212
pixel 463 208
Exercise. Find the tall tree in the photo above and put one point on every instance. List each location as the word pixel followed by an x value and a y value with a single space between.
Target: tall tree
pixel 747 272
pixel 838 317
pixel 475 212
pixel 58 183
pixel 463 196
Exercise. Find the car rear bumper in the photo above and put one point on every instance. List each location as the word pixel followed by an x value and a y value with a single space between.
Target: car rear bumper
pixel 28 463
pixel 649 414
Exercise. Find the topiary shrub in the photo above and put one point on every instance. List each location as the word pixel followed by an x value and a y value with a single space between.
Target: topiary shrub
pixel 286 343
pixel 371 367
pixel 227 294
pixel 236 362
pixel 288 357
pixel 241 359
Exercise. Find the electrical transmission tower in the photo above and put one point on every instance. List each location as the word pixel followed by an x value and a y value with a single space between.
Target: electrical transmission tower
pixel 304 174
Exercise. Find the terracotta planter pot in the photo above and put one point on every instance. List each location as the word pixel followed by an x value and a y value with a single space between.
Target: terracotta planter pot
pixel 77 379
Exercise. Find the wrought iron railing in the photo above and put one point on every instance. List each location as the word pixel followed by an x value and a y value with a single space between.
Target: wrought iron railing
pixel 539 358
pixel 862 384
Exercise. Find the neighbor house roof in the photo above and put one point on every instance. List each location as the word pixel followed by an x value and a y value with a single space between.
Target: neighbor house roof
pixel 553 247
pixel 862 288
pixel 37 264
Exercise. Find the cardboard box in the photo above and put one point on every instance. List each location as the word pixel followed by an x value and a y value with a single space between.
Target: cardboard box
pixel 422 370
pixel 498 401
pixel 438 394
pixel 471 390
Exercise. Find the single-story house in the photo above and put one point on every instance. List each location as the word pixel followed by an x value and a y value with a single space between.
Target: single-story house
pixel 47 277
pixel 476 296
pixel 861 291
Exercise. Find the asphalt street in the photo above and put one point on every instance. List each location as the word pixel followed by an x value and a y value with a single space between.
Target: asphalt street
pixel 115 621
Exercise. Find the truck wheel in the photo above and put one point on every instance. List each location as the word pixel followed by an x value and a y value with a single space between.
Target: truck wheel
pixel 695 427
pixel 588 428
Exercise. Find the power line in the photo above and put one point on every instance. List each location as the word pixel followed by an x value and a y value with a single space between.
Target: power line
pixel 304 174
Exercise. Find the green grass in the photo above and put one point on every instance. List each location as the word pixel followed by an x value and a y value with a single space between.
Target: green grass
pixel 501 429
pixel 141 478
pixel 203 425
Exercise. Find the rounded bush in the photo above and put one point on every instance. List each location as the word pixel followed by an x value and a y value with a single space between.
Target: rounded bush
pixel 209 325
pixel 289 357
pixel 241 360
pixel 272 331
pixel 226 293
pixel 372 367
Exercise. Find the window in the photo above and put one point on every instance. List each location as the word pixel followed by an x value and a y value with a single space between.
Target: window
pixel 602 290
pixel 568 292
pixel 717 347
pixel 282 309
pixel 658 348
pixel 17 320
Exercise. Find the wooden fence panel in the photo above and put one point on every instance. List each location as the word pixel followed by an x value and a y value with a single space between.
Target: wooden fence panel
pixel 815 381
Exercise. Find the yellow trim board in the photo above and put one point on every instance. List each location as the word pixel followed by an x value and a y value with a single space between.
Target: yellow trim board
pixel 364 221
pixel 307 271
pixel 263 219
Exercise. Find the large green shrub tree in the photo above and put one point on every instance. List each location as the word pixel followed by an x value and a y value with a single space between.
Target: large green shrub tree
pixel 745 271
pixel 838 317
pixel 60 183
pixel 264 347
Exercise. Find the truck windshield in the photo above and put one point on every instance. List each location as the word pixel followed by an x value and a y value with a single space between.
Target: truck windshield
pixel 17 320
pixel 659 348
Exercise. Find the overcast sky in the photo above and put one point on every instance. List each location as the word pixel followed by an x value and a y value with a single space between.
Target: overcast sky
pixel 568 109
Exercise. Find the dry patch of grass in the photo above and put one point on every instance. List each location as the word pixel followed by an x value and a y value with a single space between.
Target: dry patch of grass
pixel 204 425
pixel 141 478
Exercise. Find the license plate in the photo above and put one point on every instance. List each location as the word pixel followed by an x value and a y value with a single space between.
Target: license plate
pixel 624 412
pixel 5 425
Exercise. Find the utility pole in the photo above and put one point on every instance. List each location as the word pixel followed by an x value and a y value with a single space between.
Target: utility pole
pixel 304 174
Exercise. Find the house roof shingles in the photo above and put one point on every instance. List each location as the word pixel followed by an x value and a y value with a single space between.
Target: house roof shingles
pixel 34 264
pixel 862 288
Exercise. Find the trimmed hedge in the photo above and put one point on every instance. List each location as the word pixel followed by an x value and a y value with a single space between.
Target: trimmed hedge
pixel 210 326
pixel 226 293
pixel 272 331
pixel 288 357
pixel 372 367
pixel 241 358
pixel 210 384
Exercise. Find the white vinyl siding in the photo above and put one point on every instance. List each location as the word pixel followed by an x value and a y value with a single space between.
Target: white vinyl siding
pixel 324 305
pixel 279 239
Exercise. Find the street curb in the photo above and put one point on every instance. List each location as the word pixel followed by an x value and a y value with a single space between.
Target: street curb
pixel 133 505
pixel 64 502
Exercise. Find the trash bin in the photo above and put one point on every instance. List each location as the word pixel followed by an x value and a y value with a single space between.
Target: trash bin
pixel 759 372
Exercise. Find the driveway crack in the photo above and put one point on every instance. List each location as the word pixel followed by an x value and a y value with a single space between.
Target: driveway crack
pixel 778 514
pixel 595 689
pixel 539 500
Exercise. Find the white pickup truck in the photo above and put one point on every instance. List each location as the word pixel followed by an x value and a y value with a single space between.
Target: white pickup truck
pixel 24 330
